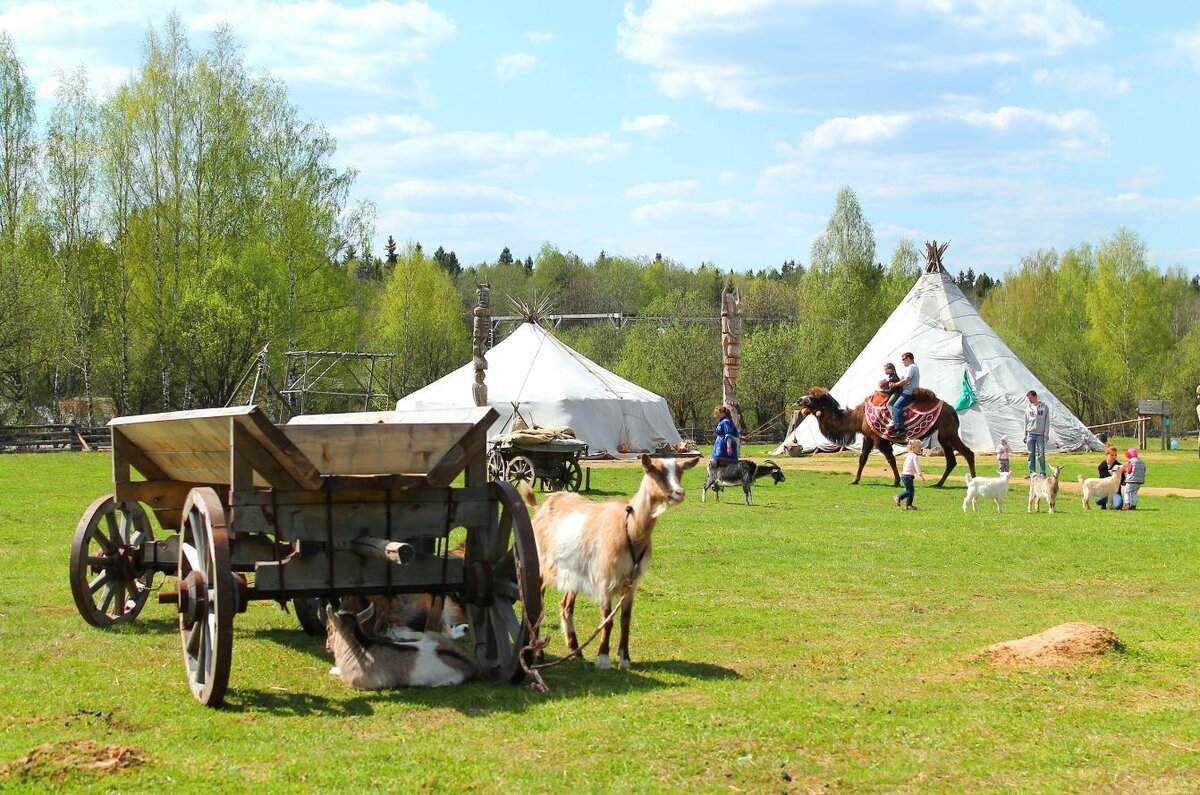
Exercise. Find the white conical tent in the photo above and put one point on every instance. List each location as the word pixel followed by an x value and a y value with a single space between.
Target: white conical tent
pixel 949 338
pixel 551 384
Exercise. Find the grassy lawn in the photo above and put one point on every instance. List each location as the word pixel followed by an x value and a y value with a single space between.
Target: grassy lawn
pixel 817 641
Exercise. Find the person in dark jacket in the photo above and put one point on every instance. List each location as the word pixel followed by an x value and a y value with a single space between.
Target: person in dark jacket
pixel 1106 468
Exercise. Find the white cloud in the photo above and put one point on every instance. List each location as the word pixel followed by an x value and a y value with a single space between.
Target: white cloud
pixel 1147 177
pixel 725 209
pixel 654 125
pixel 1073 133
pixel 512 64
pixel 372 124
pixel 727 178
pixel 305 40
pixel 1101 80
pixel 796 54
pixel 659 189
pixel 540 37
pixel 1187 44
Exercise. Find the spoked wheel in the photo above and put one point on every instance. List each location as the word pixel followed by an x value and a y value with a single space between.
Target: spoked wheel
pixel 206 595
pixel 504 587
pixel 108 580
pixel 520 468
pixel 495 465
pixel 572 476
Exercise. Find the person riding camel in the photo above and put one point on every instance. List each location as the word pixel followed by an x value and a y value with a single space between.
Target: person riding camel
pixel 908 385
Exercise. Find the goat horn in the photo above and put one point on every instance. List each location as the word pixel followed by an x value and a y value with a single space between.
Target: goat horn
pixel 366 614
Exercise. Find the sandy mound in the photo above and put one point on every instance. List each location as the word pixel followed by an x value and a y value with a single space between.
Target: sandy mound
pixel 52 762
pixel 1065 644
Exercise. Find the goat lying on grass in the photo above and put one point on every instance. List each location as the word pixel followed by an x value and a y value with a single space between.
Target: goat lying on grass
pixel 738 473
pixel 986 488
pixel 602 549
pixel 1100 487
pixel 1043 488
pixel 431 659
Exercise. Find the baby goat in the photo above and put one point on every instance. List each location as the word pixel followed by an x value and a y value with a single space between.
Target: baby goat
pixel 603 548
pixel 430 660
pixel 1043 488
pixel 738 473
pixel 1100 487
pixel 986 488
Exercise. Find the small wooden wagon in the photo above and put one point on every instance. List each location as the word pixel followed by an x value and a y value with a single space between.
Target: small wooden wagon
pixel 555 463
pixel 325 506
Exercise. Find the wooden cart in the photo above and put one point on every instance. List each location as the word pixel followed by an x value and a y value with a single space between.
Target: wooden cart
pixel 325 506
pixel 555 463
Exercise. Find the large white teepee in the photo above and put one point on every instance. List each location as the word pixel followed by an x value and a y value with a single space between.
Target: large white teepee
pixel 949 339
pixel 551 384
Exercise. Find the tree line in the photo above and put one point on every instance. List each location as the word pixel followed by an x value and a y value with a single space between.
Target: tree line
pixel 153 240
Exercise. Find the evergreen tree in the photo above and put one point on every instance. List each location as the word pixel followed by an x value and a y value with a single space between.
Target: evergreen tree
pixel 390 248
pixel 506 257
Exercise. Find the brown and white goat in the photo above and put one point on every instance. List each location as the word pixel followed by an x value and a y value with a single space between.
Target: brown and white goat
pixel 430 659
pixel 602 549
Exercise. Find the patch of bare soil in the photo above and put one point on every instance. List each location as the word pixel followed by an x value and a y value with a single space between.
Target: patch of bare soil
pixel 53 762
pixel 1065 644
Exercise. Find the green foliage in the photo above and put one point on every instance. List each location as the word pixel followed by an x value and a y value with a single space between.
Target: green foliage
pixel 853 666
pixel 418 316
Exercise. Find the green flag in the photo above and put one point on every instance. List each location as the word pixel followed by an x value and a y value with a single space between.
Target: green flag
pixel 968 398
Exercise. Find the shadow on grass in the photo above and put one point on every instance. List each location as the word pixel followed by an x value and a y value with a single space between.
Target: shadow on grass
pixel 295 639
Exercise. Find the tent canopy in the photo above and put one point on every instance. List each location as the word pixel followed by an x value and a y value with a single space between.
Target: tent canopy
pixel 548 383
pixel 951 341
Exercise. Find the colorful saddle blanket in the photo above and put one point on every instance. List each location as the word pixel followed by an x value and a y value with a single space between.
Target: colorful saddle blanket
pixel 919 418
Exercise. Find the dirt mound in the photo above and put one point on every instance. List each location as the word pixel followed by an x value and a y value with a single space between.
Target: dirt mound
pixel 1065 644
pixel 53 762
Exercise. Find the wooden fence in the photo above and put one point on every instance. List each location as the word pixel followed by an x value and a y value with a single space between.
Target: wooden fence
pixel 51 438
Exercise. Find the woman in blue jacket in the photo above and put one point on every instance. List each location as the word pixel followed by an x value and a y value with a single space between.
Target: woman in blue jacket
pixel 725 447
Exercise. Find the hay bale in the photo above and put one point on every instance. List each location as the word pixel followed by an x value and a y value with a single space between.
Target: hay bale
pixel 1065 644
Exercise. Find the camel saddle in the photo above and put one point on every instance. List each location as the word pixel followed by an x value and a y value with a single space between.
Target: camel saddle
pixel 919 416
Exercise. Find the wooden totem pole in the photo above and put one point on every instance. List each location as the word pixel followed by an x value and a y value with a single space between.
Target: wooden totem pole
pixel 731 352
pixel 479 339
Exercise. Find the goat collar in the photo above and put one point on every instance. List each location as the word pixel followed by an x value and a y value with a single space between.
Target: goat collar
pixel 636 556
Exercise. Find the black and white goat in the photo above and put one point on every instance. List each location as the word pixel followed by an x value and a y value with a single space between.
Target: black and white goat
pixel 738 473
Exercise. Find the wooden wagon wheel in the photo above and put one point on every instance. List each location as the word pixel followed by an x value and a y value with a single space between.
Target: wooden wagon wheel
pixel 108 580
pixel 504 599
pixel 572 475
pixel 520 468
pixel 495 465
pixel 206 595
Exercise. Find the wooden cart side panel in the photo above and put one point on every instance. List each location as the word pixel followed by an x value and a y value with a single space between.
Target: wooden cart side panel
pixel 379 448
pixel 284 464
pixel 310 576
pixel 295 517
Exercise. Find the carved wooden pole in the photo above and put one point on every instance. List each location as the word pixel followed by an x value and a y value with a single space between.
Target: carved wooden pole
pixel 481 332
pixel 731 352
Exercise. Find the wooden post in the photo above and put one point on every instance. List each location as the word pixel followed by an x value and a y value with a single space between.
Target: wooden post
pixel 481 331
pixel 731 353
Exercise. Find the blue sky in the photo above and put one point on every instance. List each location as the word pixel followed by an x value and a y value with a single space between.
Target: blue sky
pixel 718 130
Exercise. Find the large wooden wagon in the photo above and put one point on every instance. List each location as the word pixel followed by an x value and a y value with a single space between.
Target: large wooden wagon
pixel 326 506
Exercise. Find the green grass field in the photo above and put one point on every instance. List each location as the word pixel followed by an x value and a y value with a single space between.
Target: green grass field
pixel 818 641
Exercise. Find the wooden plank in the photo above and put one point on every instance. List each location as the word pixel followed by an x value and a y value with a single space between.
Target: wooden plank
pixel 440 496
pixel 309 575
pixel 248 448
pixel 347 521
pixel 131 455
pixel 376 449
pixel 293 466
pixel 163 495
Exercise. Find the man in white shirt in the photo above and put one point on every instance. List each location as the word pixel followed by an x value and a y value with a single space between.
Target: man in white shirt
pixel 907 384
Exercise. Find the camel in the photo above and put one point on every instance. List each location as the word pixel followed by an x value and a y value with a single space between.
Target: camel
pixel 841 425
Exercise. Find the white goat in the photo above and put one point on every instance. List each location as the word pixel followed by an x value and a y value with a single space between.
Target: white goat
pixel 1100 487
pixel 431 659
pixel 1043 487
pixel 986 488
pixel 603 548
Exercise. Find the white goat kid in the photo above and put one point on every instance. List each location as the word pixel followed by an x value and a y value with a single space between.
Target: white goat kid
pixel 1043 488
pixel 602 549
pixel 1100 487
pixel 987 489
pixel 431 659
